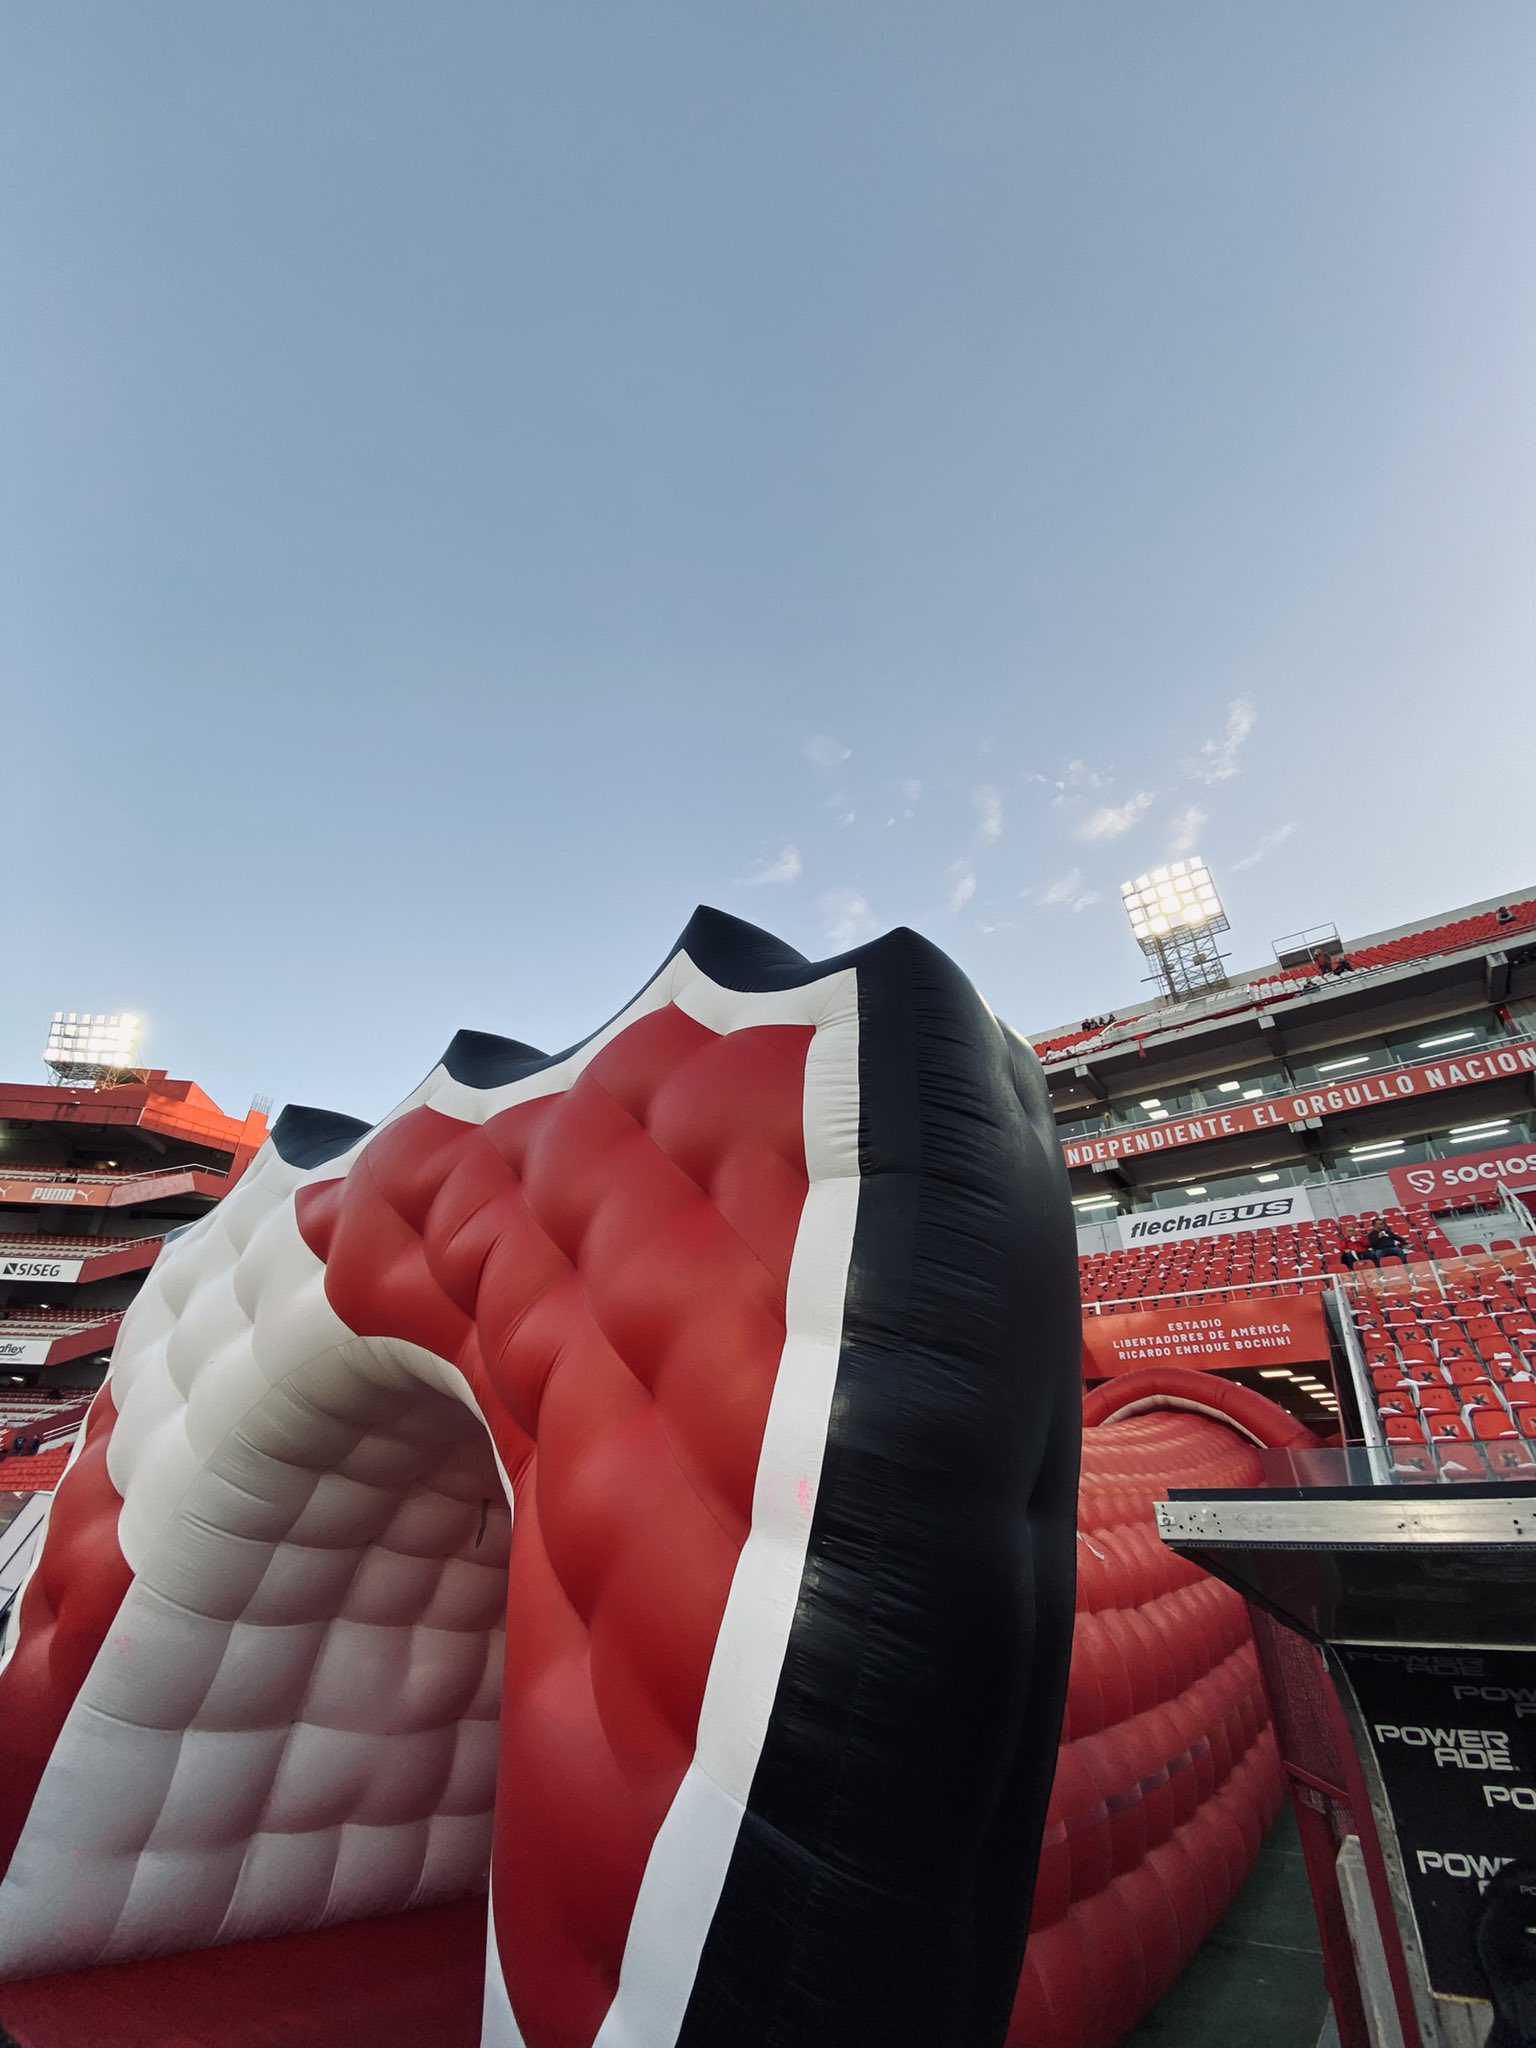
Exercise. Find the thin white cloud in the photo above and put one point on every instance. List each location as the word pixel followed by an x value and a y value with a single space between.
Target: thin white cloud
pixel 1218 758
pixel 846 917
pixel 1266 845
pixel 988 805
pixel 1068 892
pixel 1077 775
pixel 1184 831
pixel 909 788
pixel 962 884
pixel 1113 821
pixel 785 866
pixel 825 753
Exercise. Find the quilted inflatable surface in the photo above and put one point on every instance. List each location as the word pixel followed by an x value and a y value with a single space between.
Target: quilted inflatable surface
pixel 643 1478
pixel 1169 1776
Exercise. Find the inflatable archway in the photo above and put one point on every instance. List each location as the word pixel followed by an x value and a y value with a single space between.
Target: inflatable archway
pixel 644 1478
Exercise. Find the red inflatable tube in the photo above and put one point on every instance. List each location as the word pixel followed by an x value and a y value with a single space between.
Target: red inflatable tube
pixel 1168 1777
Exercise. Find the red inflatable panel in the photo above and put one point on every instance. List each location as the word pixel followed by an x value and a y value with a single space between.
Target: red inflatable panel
pixel 1169 1777
pixel 624 1246
pixel 66 1611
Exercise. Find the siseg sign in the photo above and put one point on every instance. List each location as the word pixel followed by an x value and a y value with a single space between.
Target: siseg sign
pixel 40 1269
pixel 1398 1084
pixel 1216 1219
pixel 1215 1337
pixel 1469 1175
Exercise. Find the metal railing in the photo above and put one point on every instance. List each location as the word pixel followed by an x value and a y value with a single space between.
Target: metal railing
pixel 1289 1284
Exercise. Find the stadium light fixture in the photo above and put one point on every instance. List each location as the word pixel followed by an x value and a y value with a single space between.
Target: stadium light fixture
pixel 1252 1094
pixel 1091 1201
pixel 1194 1191
pixel 1266 1179
pixel 84 1045
pixel 1275 1372
pixel 1357 1059
pixel 1371 1151
pixel 1176 916
pixel 1229 1087
pixel 1478 1131
pixel 1450 1038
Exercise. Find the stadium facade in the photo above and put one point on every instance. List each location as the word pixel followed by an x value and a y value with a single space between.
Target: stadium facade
pixel 92 1181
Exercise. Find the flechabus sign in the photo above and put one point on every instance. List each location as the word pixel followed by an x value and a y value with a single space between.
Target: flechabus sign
pixel 1216 1219
pixel 1468 1177
pixel 1211 1338
pixel 1397 1084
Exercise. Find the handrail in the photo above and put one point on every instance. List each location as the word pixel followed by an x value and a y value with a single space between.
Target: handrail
pixel 1390 1062
pixel 1248 1287
pixel 69 1177
pixel 1360 1379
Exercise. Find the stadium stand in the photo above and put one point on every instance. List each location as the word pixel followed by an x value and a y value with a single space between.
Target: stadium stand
pixel 1289 1260
pixel 70 1247
pixel 1480 929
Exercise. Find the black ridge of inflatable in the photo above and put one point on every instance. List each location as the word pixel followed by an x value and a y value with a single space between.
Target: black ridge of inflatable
pixel 312 1137
pixel 481 1059
pixel 880 1888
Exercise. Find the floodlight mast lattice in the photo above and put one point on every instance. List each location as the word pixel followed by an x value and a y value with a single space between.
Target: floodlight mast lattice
pixel 1176 917
pixel 94 1050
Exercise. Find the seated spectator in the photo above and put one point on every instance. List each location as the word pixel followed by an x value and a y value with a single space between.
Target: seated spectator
pixel 1504 914
pixel 1353 1249
pixel 1386 1244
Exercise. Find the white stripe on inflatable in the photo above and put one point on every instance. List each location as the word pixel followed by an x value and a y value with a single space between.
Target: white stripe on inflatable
pixel 692 1851
pixel 498 2023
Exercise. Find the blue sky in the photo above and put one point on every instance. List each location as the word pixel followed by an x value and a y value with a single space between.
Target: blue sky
pixel 479 479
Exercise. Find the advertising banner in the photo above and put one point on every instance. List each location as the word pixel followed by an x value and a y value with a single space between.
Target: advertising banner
pixel 1216 1219
pixel 133 1191
pixel 1210 1338
pixel 16 1351
pixel 83 1194
pixel 1444 1182
pixel 40 1269
pixel 1454 1737
pixel 1397 1084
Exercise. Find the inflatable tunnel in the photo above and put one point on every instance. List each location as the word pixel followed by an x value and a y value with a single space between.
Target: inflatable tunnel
pixel 1169 1777
pixel 638 1489
pixel 638 1483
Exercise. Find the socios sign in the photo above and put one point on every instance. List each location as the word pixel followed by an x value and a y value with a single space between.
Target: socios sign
pixel 1472 1174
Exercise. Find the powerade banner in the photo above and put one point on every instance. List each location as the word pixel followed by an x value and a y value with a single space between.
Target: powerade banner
pixel 1209 1338
pixel 1470 1175
pixel 1454 1736
pixel 1397 1084
pixel 1216 1219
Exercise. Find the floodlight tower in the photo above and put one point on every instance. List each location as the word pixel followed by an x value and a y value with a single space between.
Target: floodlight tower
pixel 93 1051
pixel 1176 917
